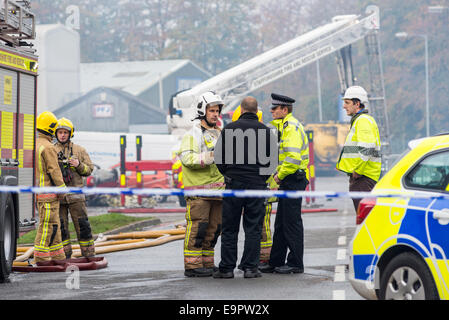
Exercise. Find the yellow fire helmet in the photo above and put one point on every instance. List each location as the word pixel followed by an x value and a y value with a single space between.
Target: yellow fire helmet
pixel 238 111
pixel 65 123
pixel 47 122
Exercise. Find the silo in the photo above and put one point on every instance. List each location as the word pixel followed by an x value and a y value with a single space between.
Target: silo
pixel 58 48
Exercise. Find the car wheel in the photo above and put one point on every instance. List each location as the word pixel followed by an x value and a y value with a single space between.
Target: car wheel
pixel 7 238
pixel 407 277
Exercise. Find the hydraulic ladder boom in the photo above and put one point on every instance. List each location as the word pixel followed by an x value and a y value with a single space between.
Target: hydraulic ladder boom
pixel 263 69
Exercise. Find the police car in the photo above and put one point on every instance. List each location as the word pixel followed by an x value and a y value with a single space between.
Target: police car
pixel 400 249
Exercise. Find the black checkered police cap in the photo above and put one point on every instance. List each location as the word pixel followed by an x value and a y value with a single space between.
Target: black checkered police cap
pixel 280 100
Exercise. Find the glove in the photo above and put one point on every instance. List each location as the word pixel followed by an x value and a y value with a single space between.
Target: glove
pixel 208 157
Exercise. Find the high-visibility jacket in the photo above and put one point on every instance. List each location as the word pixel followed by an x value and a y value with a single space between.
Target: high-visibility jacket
pixel 84 169
pixel 361 151
pixel 195 154
pixel 48 173
pixel 293 147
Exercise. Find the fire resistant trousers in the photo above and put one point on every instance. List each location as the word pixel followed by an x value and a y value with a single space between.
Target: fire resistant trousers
pixel 288 226
pixel 203 218
pixel 360 184
pixel 48 244
pixel 266 242
pixel 78 213
pixel 253 215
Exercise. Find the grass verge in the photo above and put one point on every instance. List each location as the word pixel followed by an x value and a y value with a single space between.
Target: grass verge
pixel 98 224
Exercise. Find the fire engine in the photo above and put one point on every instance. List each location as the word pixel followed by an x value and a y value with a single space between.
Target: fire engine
pixel 18 76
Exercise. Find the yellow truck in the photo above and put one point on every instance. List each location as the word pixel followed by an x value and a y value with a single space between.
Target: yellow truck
pixel 328 139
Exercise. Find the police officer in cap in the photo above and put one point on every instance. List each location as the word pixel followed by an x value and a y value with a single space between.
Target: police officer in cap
pixel 291 174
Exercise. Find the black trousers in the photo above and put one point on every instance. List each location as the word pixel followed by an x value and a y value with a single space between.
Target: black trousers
pixel 253 215
pixel 288 226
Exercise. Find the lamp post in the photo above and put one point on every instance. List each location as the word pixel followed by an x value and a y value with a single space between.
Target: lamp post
pixel 426 58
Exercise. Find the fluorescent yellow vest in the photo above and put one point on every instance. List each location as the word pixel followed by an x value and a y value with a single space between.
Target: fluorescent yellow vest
pixel 293 147
pixel 361 151
pixel 196 174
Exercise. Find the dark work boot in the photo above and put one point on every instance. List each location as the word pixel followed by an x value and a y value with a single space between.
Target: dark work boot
pixel 223 275
pixel 198 272
pixel 266 268
pixel 252 273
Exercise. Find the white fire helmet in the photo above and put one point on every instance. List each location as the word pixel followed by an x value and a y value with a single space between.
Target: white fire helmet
pixel 208 98
pixel 356 92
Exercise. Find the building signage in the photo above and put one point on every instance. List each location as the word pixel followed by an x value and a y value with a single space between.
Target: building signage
pixel 103 110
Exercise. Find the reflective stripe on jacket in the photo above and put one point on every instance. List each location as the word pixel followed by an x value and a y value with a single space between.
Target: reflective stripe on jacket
pixel 196 145
pixel 48 173
pixel 361 151
pixel 293 147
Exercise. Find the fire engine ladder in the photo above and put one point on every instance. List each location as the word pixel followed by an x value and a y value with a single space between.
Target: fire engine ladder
pixel 376 92
pixel 284 59
pixel 17 23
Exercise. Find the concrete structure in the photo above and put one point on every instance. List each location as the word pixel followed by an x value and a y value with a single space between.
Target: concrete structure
pixel 58 49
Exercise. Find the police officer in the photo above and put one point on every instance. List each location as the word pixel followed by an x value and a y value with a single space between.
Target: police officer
pixel 75 164
pixel 203 214
pixel 290 175
pixel 47 244
pixel 360 157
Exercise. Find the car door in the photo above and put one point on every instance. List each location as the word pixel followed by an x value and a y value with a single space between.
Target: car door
pixel 431 221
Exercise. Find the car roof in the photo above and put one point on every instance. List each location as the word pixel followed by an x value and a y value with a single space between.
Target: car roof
pixel 442 137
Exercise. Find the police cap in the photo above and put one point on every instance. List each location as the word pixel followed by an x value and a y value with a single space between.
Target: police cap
pixel 280 100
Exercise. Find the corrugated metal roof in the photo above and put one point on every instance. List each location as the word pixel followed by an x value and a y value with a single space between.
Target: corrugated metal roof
pixel 133 77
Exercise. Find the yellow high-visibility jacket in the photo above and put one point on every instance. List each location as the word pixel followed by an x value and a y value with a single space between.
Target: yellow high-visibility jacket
pixel 198 170
pixel 293 147
pixel 361 151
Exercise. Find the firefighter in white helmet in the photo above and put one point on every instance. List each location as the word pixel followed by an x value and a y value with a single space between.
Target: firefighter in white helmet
pixel 203 215
pixel 360 157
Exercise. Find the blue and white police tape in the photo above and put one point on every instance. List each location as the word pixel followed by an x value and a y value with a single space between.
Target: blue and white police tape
pixel 224 193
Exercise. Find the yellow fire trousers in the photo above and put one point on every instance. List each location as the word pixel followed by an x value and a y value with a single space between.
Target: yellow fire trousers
pixel 48 243
pixel 203 217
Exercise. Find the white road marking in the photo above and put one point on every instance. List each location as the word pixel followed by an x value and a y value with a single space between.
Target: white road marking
pixel 341 254
pixel 338 295
pixel 342 240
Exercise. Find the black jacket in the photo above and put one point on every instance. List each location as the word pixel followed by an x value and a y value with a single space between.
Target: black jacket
pixel 237 154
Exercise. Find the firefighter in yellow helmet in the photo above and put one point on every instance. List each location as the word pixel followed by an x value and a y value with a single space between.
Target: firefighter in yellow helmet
pixel 48 243
pixel 203 214
pixel 238 112
pixel 75 164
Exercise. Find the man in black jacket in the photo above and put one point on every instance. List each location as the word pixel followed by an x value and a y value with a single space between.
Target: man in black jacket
pixel 246 155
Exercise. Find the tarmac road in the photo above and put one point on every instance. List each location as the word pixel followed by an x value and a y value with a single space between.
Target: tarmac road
pixel 157 272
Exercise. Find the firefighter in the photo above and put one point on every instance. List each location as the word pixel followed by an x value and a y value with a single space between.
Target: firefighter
pixel 47 244
pixel 291 174
pixel 360 157
pixel 75 164
pixel 203 215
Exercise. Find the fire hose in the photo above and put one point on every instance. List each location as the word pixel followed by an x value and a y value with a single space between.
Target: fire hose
pixel 113 243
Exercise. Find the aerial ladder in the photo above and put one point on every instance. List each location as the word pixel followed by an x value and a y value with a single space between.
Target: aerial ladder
pixel 335 37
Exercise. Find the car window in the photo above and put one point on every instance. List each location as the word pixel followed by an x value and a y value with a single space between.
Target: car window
pixel 431 173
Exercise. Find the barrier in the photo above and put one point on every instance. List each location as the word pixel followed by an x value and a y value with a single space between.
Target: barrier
pixel 224 193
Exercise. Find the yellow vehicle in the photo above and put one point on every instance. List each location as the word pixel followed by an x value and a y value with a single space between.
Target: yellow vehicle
pixel 329 139
pixel 400 249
